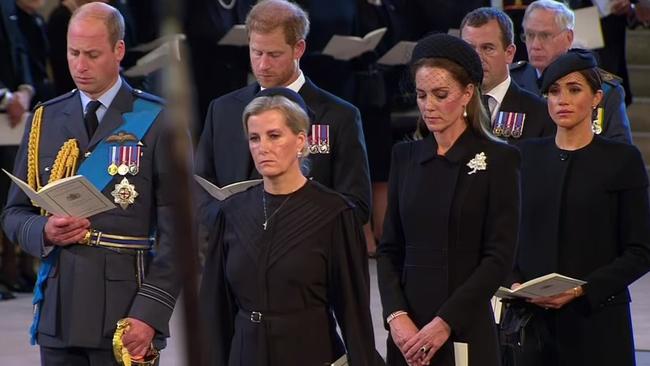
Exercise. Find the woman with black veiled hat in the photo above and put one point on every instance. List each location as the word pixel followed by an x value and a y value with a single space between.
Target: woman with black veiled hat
pixel 287 262
pixel 585 214
pixel 452 219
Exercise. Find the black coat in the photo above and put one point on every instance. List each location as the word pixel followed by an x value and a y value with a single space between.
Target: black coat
pixel 223 157
pixel 307 267
pixel 449 239
pixel 586 215
pixel 90 288
pixel 537 123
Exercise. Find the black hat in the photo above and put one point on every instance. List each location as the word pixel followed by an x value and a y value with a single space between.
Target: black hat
pixel 289 94
pixel 452 48
pixel 574 60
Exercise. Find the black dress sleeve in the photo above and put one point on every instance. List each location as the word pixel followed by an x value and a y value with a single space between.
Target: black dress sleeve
pixel 631 188
pixel 390 253
pixel 349 290
pixel 216 301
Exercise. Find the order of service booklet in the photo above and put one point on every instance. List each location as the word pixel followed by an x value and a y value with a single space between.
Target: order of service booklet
pixel 348 47
pixel 72 196
pixel 221 193
pixel 548 285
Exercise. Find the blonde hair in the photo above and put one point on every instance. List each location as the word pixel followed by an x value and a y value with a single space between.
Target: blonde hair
pixel 113 20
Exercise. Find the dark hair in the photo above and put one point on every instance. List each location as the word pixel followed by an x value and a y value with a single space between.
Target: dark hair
pixel 482 16
pixel 477 117
pixel 593 79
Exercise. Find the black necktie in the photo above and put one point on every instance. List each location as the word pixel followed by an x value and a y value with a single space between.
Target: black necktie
pixel 90 119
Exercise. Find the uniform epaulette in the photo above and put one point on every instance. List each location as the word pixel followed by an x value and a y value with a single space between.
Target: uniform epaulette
pixel 150 97
pixel 518 65
pixel 57 99
pixel 610 78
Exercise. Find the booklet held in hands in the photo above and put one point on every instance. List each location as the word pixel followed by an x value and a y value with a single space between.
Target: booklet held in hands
pixel 549 285
pixel 227 191
pixel 72 196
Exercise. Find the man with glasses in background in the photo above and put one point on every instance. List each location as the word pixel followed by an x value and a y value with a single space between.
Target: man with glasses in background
pixel 548 34
pixel 516 113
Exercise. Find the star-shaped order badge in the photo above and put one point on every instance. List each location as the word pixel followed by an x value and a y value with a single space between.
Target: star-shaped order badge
pixel 124 193
pixel 478 163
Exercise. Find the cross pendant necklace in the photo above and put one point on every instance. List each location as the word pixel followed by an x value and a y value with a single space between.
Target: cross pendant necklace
pixel 267 218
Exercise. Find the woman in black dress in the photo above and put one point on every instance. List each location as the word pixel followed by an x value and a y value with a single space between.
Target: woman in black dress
pixel 452 220
pixel 287 257
pixel 585 215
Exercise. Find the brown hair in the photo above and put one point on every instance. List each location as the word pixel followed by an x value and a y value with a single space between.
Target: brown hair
pixel 477 118
pixel 481 16
pixel 269 15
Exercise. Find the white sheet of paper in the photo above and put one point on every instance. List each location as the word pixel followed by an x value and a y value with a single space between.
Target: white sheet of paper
pixel 227 191
pixel 400 54
pixel 146 47
pixel 12 135
pixel 461 354
pixel 348 47
pixel 236 36
pixel 156 59
pixel 588 33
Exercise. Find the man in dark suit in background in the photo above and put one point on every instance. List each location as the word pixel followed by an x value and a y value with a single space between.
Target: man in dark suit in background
pixel 16 91
pixel 337 159
pixel 490 32
pixel 548 31
pixel 98 270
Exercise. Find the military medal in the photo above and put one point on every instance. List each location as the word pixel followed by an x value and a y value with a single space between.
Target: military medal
pixel 313 140
pixel 134 161
pixel 499 124
pixel 518 128
pixel 123 168
pixel 597 125
pixel 510 122
pixel 324 143
pixel 124 193
pixel 112 168
pixel 319 142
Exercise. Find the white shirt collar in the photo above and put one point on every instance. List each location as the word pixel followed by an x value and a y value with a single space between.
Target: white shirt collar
pixel 106 99
pixel 296 85
pixel 498 93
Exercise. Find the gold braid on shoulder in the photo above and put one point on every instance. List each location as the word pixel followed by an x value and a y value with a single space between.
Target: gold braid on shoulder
pixel 65 163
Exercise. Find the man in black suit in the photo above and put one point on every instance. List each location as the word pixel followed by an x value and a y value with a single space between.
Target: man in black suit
pixel 490 32
pixel 548 31
pixel 337 159
pixel 98 270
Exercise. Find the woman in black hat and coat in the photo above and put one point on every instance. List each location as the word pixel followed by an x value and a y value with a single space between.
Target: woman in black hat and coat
pixel 452 219
pixel 585 214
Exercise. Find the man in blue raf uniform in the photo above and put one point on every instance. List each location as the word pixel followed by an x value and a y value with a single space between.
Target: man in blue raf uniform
pixel 548 33
pixel 99 270
pixel 516 114
pixel 337 156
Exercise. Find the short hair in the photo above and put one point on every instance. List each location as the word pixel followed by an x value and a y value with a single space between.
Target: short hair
pixel 296 118
pixel 481 16
pixel 113 20
pixel 268 15
pixel 564 16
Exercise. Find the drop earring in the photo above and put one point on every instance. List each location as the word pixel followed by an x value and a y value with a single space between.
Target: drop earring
pixel 464 111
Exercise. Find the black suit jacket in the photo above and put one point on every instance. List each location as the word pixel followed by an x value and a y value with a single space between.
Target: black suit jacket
pixel 586 214
pixel 616 125
pixel 13 51
pixel 223 157
pixel 449 239
pixel 90 288
pixel 537 123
